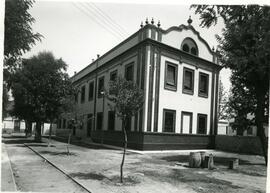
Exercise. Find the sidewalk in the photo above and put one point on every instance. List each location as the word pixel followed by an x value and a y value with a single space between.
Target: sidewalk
pixel 97 168
pixel 7 177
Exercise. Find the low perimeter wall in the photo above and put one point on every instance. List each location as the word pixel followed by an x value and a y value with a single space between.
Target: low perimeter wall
pixel 239 144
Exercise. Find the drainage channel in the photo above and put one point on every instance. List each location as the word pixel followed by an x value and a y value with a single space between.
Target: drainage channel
pixel 59 169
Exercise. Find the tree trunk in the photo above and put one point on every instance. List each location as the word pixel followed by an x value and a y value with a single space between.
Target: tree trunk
pixel 69 137
pixel 50 134
pixel 38 132
pixel 259 117
pixel 124 152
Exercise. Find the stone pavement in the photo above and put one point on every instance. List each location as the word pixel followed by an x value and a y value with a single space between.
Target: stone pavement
pixel 97 168
pixel 7 178
pixel 32 173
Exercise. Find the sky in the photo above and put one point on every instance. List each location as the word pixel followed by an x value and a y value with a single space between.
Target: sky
pixel 78 31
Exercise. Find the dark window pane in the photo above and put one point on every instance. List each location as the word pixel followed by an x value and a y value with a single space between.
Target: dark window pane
pixel 169 121
pixel 99 120
pixel 82 94
pixel 194 51
pixel 203 88
pixel 100 87
pixel 188 80
pixel 113 76
pixel 128 124
pixel 111 120
pixel 129 73
pixel 91 91
pixel 186 48
pixel 202 123
pixel 171 80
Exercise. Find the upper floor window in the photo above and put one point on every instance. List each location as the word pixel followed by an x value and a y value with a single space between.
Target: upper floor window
pixel 188 81
pixel 203 84
pixel 100 87
pixel 82 94
pixel 190 46
pixel 113 75
pixel 91 91
pixel 171 76
pixel 129 72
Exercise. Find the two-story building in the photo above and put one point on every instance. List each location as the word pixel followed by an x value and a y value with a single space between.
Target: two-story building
pixel 178 72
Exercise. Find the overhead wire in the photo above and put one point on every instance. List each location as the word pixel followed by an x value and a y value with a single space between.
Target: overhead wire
pixel 115 34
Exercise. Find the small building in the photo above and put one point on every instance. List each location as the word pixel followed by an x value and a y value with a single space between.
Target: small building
pixel 178 72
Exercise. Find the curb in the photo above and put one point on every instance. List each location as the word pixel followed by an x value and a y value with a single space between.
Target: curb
pixel 61 170
pixel 12 173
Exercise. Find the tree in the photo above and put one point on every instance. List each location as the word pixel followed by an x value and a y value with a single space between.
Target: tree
pixel 245 49
pixel 222 101
pixel 18 39
pixel 39 89
pixel 127 99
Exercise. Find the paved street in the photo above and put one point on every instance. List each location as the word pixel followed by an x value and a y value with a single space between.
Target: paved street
pixel 31 172
pixel 97 169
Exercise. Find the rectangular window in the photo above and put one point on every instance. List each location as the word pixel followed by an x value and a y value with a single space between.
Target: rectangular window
pixel 203 84
pixel 186 122
pixel 76 97
pixel 169 120
pixel 128 124
pixel 82 94
pixel 188 81
pixel 91 91
pixel 113 75
pixel 111 120
pixel 171 76
pixel 59 123
pixel 99 120
pixel 129 72
pixel 202 124
pixel 64 123
pixel 100 87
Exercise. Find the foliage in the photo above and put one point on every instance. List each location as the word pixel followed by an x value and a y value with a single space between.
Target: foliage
pixel 19 36
pixel 40 88
pixel 245 49
pixel 223 102
pixel 127 99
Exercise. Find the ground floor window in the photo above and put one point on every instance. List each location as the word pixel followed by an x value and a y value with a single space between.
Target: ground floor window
pixel 169 120
pixel 128 124
pixel 99 120
pixel 111 120
pixel 89 124
pixel 202 124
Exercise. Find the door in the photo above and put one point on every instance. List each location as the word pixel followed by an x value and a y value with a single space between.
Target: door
pixel 16 125
pixel 89 124
pixel 186 122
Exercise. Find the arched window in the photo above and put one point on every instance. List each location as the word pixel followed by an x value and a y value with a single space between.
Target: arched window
pixel 190 46
pixel 186 48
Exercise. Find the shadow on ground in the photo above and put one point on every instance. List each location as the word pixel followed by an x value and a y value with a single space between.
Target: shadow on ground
pixel 57 153
pixel 86 176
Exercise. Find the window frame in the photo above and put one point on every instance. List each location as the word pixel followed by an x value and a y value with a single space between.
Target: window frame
pixel 174 120
pixel 201 94
pixel 90 98
pixel 99 89
pixel 131 64
pixel 167 85
pixel 190 122
pixel 184 90
pixel 97 124
pixel 113 72
pixel 83 88
pixel 108 125
pixel 198 118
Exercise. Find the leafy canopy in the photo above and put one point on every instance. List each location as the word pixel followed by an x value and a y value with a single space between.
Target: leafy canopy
pixel 127 97
pixel 40 88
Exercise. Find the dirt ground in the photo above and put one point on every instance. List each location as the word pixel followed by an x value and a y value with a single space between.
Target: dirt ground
pixel 97 168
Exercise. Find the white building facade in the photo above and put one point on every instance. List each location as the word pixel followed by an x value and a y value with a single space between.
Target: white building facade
pixel 178 73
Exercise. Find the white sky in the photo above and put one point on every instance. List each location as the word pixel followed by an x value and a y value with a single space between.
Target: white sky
pixel 78 36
